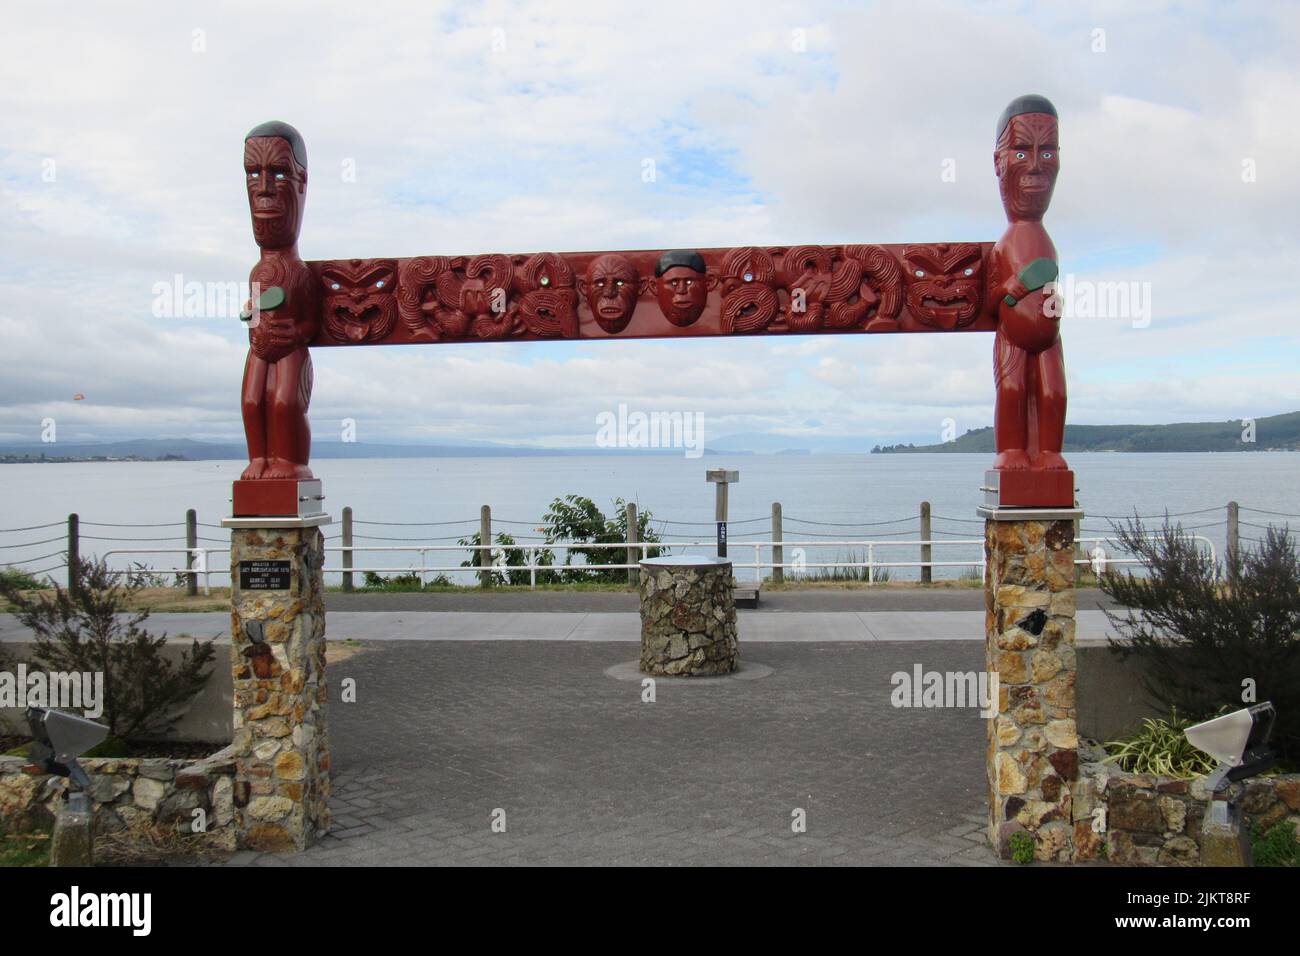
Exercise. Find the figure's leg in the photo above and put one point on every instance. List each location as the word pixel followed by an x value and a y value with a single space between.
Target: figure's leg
pixel 253 401
pixel 1011 408
pixel 1051 407
pixel 289 444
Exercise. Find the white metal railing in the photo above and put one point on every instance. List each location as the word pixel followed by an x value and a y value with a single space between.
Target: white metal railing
pixel 1098 561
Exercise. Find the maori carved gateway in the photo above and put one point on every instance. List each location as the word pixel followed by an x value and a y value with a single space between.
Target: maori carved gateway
pixel 278 621
pixel 1000 287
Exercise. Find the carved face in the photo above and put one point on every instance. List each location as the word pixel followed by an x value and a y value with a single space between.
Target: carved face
pixel 611 288
pixel 277 188
pixel 682 293
pixel 359 301
pixel 943 283
pixel 1027 161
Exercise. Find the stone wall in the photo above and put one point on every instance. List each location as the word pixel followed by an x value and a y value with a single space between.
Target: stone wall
pixel 1156 821
pixel 128 793
pixel 1029 642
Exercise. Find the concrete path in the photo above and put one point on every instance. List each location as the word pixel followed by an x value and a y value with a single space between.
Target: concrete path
pixel 755 626
pixel 922 600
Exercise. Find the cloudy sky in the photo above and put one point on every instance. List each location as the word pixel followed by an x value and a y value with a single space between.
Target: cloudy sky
pixel 526 126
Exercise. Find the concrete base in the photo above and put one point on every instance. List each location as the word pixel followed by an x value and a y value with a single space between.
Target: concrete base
pixel 73 841
pixel 1224 841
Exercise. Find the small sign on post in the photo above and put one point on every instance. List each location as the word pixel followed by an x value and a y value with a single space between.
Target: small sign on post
pixel 721 478
pixel 264 575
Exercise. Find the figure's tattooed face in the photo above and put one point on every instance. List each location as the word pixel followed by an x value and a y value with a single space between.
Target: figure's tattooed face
pixel 276 186
pixel 1027 162
pixel 611 288
pixel 943 283
pixel 359 302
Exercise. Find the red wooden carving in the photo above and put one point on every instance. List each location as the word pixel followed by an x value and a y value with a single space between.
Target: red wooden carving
pixel 950 287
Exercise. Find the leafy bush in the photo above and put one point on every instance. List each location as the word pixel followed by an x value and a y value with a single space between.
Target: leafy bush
pixel 21 580
pixel 574 518
pixel 1022 847
pixel 1202 635
pixel 80 630
pixel 404 581
pixel 515 557
pixel 1160 747
pixel 1276 846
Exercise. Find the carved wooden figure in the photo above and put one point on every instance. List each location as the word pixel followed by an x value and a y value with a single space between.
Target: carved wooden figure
pixel 284 315
pixel 751 290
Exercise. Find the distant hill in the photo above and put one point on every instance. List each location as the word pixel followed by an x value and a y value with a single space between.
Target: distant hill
pixel 187 449
pixel 1274 433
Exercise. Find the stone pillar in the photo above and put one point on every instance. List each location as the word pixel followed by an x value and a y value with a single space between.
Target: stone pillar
pixel 1029 601
pixel 688 616
pixel 281 747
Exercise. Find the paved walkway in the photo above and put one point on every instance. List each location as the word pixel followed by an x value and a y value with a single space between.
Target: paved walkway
pixel 922 600
pixel 757 627
pixel 445 733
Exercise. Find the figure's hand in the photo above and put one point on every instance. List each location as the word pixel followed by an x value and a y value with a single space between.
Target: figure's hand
pixel 1030 279
pixel 1013 290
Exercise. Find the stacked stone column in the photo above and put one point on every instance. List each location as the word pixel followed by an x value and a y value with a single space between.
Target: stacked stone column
pixel 688 616
pixel 1029 626
pixel 281 787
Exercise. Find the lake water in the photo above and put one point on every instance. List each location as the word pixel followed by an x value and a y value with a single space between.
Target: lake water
pixel 851 496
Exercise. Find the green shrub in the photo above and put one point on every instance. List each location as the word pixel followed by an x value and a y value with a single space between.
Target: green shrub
pixel 1202 635
pixel 403 581
pixel 574 518
pixel 21 580
pixel 510 562
pixel 1022 847
pixel 1275 846
pixel 92 628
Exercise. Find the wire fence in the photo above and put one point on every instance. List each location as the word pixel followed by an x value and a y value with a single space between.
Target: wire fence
pixel 776 546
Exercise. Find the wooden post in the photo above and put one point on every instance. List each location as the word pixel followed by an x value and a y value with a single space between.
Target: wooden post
pixel 347 545
pixel 927 573
pixel 633 554
pixel 74 552
pixel 191 542
pixel 721 478
pixel 1234 531
pixel 485 537
pixel 778 552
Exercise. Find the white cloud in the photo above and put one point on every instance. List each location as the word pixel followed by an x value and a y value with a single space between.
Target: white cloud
pixel 460 148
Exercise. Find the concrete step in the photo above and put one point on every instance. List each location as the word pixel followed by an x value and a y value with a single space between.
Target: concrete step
pixel 746 595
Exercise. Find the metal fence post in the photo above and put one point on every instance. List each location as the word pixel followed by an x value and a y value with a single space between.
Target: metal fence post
pixel 633 554
pixel 74 552
pixel 347 548
pixel 485 538
pixel 927 573
pixel 191 542
pixel 778 552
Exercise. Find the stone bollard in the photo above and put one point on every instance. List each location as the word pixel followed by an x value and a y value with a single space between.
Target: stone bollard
pixel 688 616
pixel 281 787
pixel 1033 757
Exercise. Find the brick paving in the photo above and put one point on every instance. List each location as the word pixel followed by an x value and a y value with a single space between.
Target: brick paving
pixel 444 733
